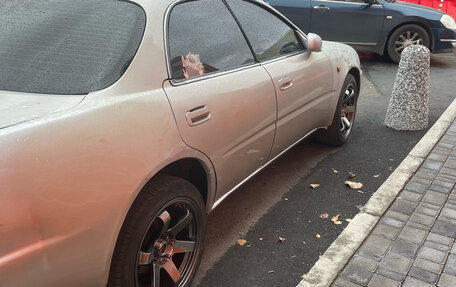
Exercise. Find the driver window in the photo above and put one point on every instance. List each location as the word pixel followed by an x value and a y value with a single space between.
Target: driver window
pixel 269 36
pixel 204 38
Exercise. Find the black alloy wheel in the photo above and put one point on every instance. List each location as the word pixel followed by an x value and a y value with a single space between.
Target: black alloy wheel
pixel 161 241
pixel 404 36
pixel 344 118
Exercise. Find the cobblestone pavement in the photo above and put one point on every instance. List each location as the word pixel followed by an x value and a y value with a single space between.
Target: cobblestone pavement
pixel 413 244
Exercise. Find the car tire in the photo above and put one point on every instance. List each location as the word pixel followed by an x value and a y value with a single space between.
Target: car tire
pixel 342 125
pixel 161 241
pixel 403 36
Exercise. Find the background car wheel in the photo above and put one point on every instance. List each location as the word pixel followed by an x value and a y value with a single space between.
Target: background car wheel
pixel 340 130
pixel 404 36
pixel 161 241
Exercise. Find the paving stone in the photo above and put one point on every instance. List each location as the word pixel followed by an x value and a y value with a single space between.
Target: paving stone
pixel 440 239
pixel 423 275
pixel 443 151
pixel 437 157
pixel 447 212
pixel 397 263
pixel 438 246
pixel 440 189
pixel 357 275
pixel 390 274
pixel 380 281
pixel 432 254
pixel 431 206
pixel 445 144
pixel 412 234
pixel 397 215
pixel 435 197
pixel 424 175
pixel 410 196
pixel 365 263
pixel 450 206
pixel 427 211
pixel 443 183
pixel 422 218
pixel 446 178
pixel 450 163
pixel 453 250
pixel 447 170
pixel 433 165
pixel 386 231
pixel 447 280
pixel 375 245
pixel 403 206
pixel 405 248
pixel 447 219
pixel 444 228
pixel 412 282
pixel 392 222
pixel 428 265
pixel 450 265
pixel 416 187
pixel 419 226
pixel 341 282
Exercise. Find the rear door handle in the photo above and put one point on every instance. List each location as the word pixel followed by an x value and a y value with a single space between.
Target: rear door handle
pixel 198 115
pixel 321 8
pixel 285 83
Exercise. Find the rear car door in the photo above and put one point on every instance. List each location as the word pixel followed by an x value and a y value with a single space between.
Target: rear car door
pixel 223 100
pixel 303 81
pixel 352 22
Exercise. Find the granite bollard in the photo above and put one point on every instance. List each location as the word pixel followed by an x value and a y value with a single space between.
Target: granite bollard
pixel 409 103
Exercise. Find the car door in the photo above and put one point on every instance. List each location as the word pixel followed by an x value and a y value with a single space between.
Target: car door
pixel 223 101
pixel 303 81
pixel 352 22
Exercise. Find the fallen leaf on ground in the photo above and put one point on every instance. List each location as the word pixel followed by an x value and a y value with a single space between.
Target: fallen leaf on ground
pixel 270 271
pixel 351 175
pixel 282 239
pixel 348 219
pixel 335 219
pixel 285 198
pixel 294 256
pixel 317 235
pixel 390 169
pixel 303 276
pixel 376 175
pixel 353 184
pixel 248 245
pixel 324 215
pixel 360 191
pixel 320 256
pixel 260 238
pixel 359 206
pixel 314 185
pixel 335 171
pixel 242 242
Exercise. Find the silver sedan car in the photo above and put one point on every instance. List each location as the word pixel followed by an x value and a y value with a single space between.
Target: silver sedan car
pixel 124 123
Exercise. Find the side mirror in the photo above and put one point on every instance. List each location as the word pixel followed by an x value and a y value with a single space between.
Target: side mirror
pixel 314 42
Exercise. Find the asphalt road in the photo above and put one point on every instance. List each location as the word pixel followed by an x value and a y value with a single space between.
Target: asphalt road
pixel 280 203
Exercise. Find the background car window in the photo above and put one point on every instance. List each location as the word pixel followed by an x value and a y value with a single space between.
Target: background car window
pixel 269 36
pixel 67 46
pixel 204 38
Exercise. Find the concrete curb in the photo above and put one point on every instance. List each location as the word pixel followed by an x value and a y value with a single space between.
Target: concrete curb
pixel 325 271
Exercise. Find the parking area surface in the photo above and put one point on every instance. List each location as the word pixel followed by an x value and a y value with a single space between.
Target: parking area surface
pixel 279 202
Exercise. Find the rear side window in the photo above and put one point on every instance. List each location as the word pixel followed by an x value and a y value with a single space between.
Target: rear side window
pixel 67 46
pixel 204 38
pixel 269 36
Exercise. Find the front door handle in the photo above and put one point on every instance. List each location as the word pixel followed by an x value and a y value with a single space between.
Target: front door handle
pixel 321 8
pixel 285 83
pixel 198 115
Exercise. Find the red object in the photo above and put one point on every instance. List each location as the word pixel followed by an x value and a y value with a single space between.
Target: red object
pixel 451 8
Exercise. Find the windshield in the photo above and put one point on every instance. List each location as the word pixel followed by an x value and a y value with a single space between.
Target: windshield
pixel 66 46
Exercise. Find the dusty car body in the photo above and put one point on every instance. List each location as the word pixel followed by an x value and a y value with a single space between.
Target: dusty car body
pixel 79 167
